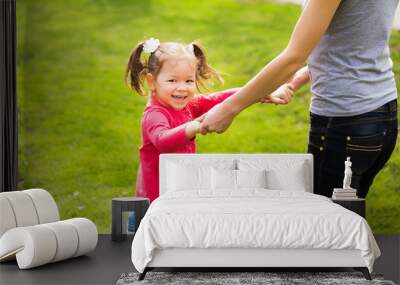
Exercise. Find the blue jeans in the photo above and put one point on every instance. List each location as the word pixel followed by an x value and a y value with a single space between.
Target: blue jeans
pixel 368 139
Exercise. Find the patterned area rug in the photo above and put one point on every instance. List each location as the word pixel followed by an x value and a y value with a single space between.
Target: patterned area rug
pixel 241 278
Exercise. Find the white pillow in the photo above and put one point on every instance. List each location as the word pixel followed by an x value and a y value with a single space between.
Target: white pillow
pixel 251 178
pixel 223 179
pixel 183 178
pixel 285 174
pixel 295 181
pixel 185 175
pixel 227 179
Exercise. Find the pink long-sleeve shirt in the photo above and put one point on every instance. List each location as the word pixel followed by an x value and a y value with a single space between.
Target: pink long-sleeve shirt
pixel 163 132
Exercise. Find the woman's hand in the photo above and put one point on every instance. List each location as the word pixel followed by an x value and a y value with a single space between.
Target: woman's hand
pixel 217 119
pixel 281 96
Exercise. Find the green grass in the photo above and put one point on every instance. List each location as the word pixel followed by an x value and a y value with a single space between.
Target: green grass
pixel 80 126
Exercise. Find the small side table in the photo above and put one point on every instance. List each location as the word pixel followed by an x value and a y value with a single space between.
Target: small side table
pixel 120 205
pixel 357 205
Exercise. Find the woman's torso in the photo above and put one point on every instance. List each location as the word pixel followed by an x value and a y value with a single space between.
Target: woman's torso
pixel 351 70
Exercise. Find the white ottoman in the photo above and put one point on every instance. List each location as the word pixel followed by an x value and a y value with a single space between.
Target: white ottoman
pixel 31 232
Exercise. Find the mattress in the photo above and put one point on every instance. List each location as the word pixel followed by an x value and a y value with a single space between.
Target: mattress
pixel 250 219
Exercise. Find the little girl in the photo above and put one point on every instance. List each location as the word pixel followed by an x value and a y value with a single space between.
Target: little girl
pixel 173 72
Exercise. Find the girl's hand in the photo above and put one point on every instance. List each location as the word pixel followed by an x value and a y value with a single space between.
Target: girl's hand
pixel 217 119
pixel 280 96
pixel 196 126
pixel 192 128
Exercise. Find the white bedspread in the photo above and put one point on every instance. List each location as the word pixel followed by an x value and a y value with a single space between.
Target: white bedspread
pixel 250 219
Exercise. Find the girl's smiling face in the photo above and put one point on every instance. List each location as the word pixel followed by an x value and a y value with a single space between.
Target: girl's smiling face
pixel 175 83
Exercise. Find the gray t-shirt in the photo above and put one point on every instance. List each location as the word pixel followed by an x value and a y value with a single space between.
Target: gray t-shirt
pixel 351 70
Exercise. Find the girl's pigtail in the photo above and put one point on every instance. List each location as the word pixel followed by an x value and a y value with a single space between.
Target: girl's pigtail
pixel 204 70
pixel 135 70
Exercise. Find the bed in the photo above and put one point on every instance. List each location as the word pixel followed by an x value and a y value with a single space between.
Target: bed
pixel 247 210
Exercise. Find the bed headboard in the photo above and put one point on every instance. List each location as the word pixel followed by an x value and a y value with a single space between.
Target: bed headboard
pixel 239 161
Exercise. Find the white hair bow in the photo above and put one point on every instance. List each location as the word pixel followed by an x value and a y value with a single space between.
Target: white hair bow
pixel 151 45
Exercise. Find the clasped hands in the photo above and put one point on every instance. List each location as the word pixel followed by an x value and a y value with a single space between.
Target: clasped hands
pixel 219 118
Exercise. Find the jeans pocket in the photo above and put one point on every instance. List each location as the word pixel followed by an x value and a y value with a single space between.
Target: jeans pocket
pixel 364 151
pixel 315 142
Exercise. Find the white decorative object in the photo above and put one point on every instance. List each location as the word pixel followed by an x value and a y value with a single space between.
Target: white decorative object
pixel 345 193
pixel 347 174
pixel 151 45
pixel 31 231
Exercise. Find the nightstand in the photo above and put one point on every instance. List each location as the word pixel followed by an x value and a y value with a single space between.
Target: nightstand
pixel 357 205
pixel 121 207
